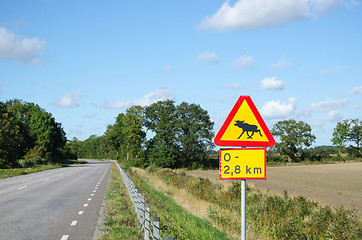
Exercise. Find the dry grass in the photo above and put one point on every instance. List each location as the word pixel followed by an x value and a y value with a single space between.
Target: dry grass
pixel 329 184
pixel 195 206
pixel 184 199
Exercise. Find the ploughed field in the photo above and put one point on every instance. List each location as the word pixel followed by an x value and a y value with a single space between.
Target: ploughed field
pixel 329 184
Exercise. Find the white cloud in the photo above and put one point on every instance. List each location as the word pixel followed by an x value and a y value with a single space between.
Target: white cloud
pixel 253 14
pixel 328 105
pixel 333 116
pixel 158 95
pixel 282 63
pixel 161 94
pixel 279 110
pixel 117 105
pixel 356 90
pixel 69 100
pixel 26 50
pixel 272 83
pixel 242 62
pixel 208 57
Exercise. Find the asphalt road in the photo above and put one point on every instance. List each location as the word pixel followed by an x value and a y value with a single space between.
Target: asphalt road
pixel 59 204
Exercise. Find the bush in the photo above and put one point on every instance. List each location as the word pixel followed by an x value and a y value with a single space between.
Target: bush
pixel 273 157
pixel 27 163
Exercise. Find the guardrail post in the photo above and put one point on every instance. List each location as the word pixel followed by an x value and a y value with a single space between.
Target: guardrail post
pixel 156 228
pixel 142 210
pixel 147 221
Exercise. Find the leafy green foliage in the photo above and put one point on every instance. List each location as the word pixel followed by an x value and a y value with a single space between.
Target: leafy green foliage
pixel 293 135
pixel 180 136
pixel 349 130
pixel 183 134
pixel 94 148
pixel 194 134
pixel 127 136
pixel 160 118
pixel 26 129
pixel 340 134
pixel 9 138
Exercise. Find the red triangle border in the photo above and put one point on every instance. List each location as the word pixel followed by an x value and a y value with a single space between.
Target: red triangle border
pixel 219 142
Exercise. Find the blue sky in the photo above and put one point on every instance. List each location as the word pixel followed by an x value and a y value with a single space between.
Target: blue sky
pixel 87 61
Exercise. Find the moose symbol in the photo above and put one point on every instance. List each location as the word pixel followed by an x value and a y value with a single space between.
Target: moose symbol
pixel 247 128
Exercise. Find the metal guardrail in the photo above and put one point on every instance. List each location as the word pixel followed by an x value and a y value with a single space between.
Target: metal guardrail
pixel 142 210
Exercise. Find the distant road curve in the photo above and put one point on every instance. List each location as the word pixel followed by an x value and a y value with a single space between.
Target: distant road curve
pixel 59 204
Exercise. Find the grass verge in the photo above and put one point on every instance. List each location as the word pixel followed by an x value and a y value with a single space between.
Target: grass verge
pixel 120 218
pixel 5 173
pixel 175 221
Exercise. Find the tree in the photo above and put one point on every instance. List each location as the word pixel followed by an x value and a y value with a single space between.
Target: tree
pixel 22 111
pixel 9 137
pixel 194 134
pixel 161 119
pixel 292 135
pixel 72 148
pixel 50 137
pixel 135 135
pixel 38 129
pixel 115 133
pixel 349 130
pixel 341 135
pixel 355 134
pixel 126 136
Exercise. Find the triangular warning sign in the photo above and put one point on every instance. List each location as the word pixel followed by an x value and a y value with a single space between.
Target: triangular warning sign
pixel 244 127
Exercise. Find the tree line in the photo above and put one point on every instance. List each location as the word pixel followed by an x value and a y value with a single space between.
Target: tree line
pixel 163 134
pixel 296 136
pixel 182 137
pixel 29 135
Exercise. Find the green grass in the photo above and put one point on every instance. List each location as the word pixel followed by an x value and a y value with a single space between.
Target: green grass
pixel 5 173
pixel 175 221
pixel 120 219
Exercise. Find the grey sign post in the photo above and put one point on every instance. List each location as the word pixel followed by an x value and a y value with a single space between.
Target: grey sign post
pixel 243 210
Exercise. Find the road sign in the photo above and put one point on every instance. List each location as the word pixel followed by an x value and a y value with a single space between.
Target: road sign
pixel 242 163
pixel 244 127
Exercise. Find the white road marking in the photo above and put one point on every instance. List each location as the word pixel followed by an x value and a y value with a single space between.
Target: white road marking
pixel 81 212
pixel 89 199
pixel 22 187
pixel 65 237
pixel 85 205
pixel 95 188
pixel 46 179
pixel 92 194
pixel 94 191
pixel 74 223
